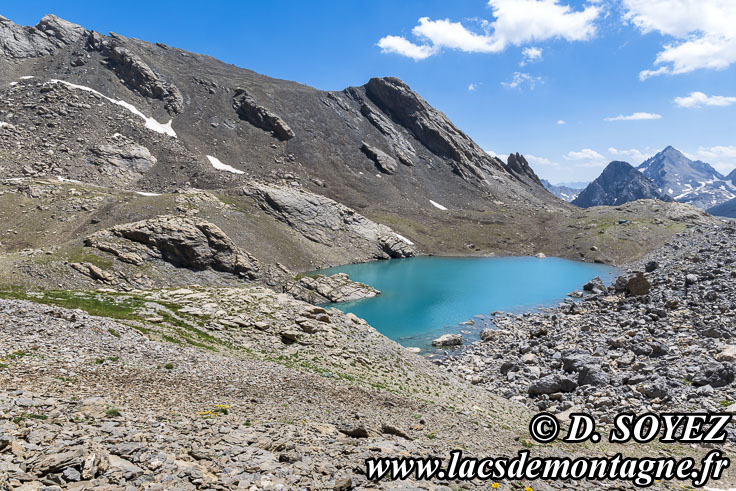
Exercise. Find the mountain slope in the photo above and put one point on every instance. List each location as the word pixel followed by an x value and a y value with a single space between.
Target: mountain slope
pixel 727 209
pixel 686 180
pixel 619 183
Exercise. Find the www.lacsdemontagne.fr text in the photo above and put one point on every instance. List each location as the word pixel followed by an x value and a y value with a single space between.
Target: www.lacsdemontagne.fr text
pixel 639 471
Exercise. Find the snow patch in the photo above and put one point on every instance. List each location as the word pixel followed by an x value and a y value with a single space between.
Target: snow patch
pixel 3 123
pixel 27 77
pixel 404 238
pixel 220 166
pixel 670 191
pixel 151 123
pixel 13 84
pixel 143 193
pixel 437 205
pixel 64 179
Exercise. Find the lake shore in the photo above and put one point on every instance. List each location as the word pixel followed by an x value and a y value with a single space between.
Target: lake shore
pixel 669 349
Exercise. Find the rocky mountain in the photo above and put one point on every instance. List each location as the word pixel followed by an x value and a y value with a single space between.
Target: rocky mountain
pixel 564 191
pixel 688 181
pixel 727 209
pixel 162 217
pixel 618 183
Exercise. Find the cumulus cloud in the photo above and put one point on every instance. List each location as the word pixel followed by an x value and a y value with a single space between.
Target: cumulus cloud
pixel 698 99
pixel 561 121
pixel 519 79
pixel 401 46
pixel 472 87
pixel 530 55
pixel 634 117
pixel 585 154
pixel 703 32
pixel 516 22
pixel 634 155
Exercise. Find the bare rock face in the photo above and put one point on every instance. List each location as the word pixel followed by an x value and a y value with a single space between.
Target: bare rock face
pixel 260 117
pixel 432 128
pixel 18 42
pixel 123 162
pixel 183 242
pixel 383 161
pixel 323 220
pixel 60 29
pixel 402 148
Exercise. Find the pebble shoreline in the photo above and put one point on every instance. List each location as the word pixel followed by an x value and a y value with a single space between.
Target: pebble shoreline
pixel 671 349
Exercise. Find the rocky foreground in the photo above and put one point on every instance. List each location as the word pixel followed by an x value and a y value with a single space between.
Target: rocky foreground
pixel 660 339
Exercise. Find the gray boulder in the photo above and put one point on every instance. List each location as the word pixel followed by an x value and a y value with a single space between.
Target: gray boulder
pixel 595 285
pixel 552 384
pixel 448 340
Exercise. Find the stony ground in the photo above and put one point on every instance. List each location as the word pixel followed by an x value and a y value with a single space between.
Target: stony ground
pixel 230 388
pixel 671 349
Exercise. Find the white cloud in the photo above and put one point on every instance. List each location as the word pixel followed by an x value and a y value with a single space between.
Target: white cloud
pixel 536 161
pixel 561 121
pixel 634 117
pixel 704 33
pixel 636 156
pixel 520 79
pixel 722 157
pixel 472 87
pixel 401 46
pixel 530 55
pixel 517 22
pixel 698 99
pixel 585 154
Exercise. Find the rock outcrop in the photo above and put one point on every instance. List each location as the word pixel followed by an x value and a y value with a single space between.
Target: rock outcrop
pixel 135 73
pixel 431 128
pixel 323 220
pixel 383 161
pixel 336 288
pixel 123 162
pixel 402 148
pixel 517 166
pixel 183 242
pixel 50 33
pixel 259 116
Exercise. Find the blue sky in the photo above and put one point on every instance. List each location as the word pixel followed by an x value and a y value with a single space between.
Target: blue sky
pixel 541 77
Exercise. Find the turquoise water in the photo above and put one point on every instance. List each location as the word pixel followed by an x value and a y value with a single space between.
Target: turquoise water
pixel 422 298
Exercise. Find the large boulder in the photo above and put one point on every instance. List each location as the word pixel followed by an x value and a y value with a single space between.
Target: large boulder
pixel 448 340
pixel 184 242
pixel 552 384
pixel 638 285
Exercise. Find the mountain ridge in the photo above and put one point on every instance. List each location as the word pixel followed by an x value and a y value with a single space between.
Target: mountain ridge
pixel 619 183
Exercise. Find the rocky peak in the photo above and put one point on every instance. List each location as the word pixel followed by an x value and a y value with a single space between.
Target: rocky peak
pixel 64 31
pixel 17 42
pixel 517 166
pixel 619 183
